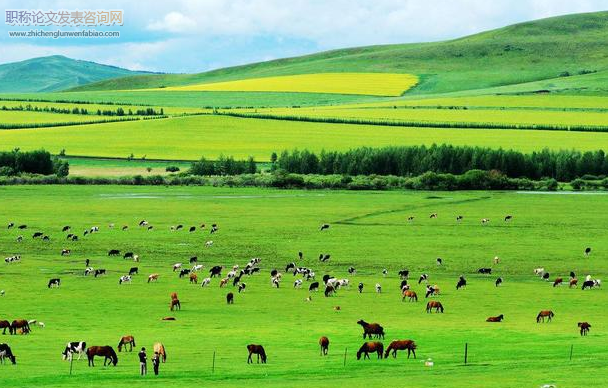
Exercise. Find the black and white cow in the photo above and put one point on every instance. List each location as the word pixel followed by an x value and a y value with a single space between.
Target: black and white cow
pixel 486 271
pixel 12 259
pixel 65 252
pixel 124 279
pixel 88 271
pixel 133 271
pixel 184 272
pixel 99 272
pixel 113 252
pixel 37 234
pixel 216 271
pixel 128 255
pixel 242 287
pixel 74 347
pixel 6 352
pixel 55 282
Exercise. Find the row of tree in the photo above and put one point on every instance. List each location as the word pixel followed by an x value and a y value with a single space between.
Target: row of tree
pixel 563 165
pixel 224 165
pixel 34 162
pixel 84 111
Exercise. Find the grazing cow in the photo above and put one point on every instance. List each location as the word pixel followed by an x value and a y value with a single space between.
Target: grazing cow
pixel 496 319
pixel 485 221
pixel 230 298
pixel 37 234
pixel 291 267
pixel 192 229
pixel 459 218
pixel 214 228
pixel 351 270
pixel 55 282
pixel 193 278
pixel 404 274
pixel 410 218
pixel 69 236
pixel 324 343
pixel 231 274
pixel 160 349
pixel 125 227
pixel 153 277
pixel 587 251
pixel 223 282
pixel 125 279
pixel 105 351
pixel 6 352
pixel 324 226
pixel 216 271
pixel 205 282
pixel 433 215
pixel 208 244
pixel 143 223
pixel 370 347
pixel 546 276
pixel 395 345
pixel 329 291
pixel 557 282
pixel 19 324
pixel 498 282
pixel 184 272
pixel 256 349
pixel 99 272
pixel 544 314
pixel 47 238
pixel 423 277
pixel 508 218
pixel 242 287
pixel 486 271
pixel 133 271
pixel 439 261
pixel 237 279
pixel 128 255
pixel 539 271
pixel 431 291
pixel 573 283
pixel 496 260
pixel 378 288
pixel 384 272
pixel 462 282
pixel 74 347
pixel 19 238
pixel 12 259
pixel 197 267
pixel 177 266
pixel 65 252
pixel 301 255
pixel 193 259
pixel 113 252
pixel 297 283
pixel 585 326
pixel 22 227
pixel 360 287
pixel 10 225
pixel 370 329
pixel 74 238
pixel 175 304
pixel 588 284
pixel 168 319
pixel 411 295
pixel 5 325
pixel 323 258
pixel 434 305
pixel 314 286
pixel 88 271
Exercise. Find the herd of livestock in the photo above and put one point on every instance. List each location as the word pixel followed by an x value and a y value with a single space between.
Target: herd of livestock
pixel 236 275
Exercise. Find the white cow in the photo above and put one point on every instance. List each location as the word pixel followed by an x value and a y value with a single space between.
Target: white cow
pixel 205 282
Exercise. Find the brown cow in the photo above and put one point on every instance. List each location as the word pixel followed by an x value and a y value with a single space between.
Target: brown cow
pixel 324 343
pixel 193 278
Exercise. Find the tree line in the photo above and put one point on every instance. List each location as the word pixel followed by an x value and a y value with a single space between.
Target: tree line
pixel 149 111
pixel 32 162
pixel 224 165
pixel 563 165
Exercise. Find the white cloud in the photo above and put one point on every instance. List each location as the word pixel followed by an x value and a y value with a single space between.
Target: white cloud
pixel 173 22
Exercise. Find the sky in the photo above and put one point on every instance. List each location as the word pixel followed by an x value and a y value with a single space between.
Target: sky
pixel 186 36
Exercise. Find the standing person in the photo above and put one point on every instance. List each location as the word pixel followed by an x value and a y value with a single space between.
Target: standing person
pixel 156 362
pixel 143 368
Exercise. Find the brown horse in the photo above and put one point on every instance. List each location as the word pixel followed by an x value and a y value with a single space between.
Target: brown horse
pixel 256 349
pixel 545 313
pixel 557 282
pixel 434 305
pixel 175 305
pixel 160 349
pixel 370 329
pixel 370 347
pixel 411 295
pixel 102 351
pixel 584 327
pixel 496 319
pixel 5 325
pixel 19 324
pixel 173 295
pixel 401 345
pixel 324 343
pixel 126 340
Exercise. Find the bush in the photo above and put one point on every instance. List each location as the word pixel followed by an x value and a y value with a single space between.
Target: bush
pixel 172 169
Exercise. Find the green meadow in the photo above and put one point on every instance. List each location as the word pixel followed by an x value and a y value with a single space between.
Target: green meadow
pixel 368 231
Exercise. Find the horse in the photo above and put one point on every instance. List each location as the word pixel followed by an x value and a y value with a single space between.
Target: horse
pixel 256 349
pixel 6 352
pixel 5 325
pixel 370 329
pixel 175 305
pixel 496 319
pixel 545 313
pixel 434 305
pixel 324 343
pixel 19 324
pixel 126 340
pixel 102 351
pixel 584 327
pixel 411 295
pixel 401 345
pixel 173 295
pixel 370 347
pixel 160 349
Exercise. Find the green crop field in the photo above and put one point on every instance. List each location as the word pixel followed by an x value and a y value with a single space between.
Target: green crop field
pixel 189 138
pixel 368 231
pixel 19 117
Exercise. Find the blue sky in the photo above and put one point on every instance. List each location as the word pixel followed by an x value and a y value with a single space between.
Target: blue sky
pixel 193 36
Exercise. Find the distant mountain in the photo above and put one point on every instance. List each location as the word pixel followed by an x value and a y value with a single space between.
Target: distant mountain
pixel 554 48
pixel 47 74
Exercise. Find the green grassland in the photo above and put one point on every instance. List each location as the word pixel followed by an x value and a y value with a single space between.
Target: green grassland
pixel 189 138
pixel 368 230
pixel 117 167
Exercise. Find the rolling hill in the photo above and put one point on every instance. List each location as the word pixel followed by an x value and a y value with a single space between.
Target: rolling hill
pixel 47 74
pixel 547 49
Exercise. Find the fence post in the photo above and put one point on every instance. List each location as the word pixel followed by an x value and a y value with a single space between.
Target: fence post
pixel 72 361
pixel 571 348
pixel 213 363
pixel 345 350
pixel 466 352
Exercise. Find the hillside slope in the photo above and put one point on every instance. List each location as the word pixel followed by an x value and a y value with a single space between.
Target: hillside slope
pixel 47 74
pixel 525 52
